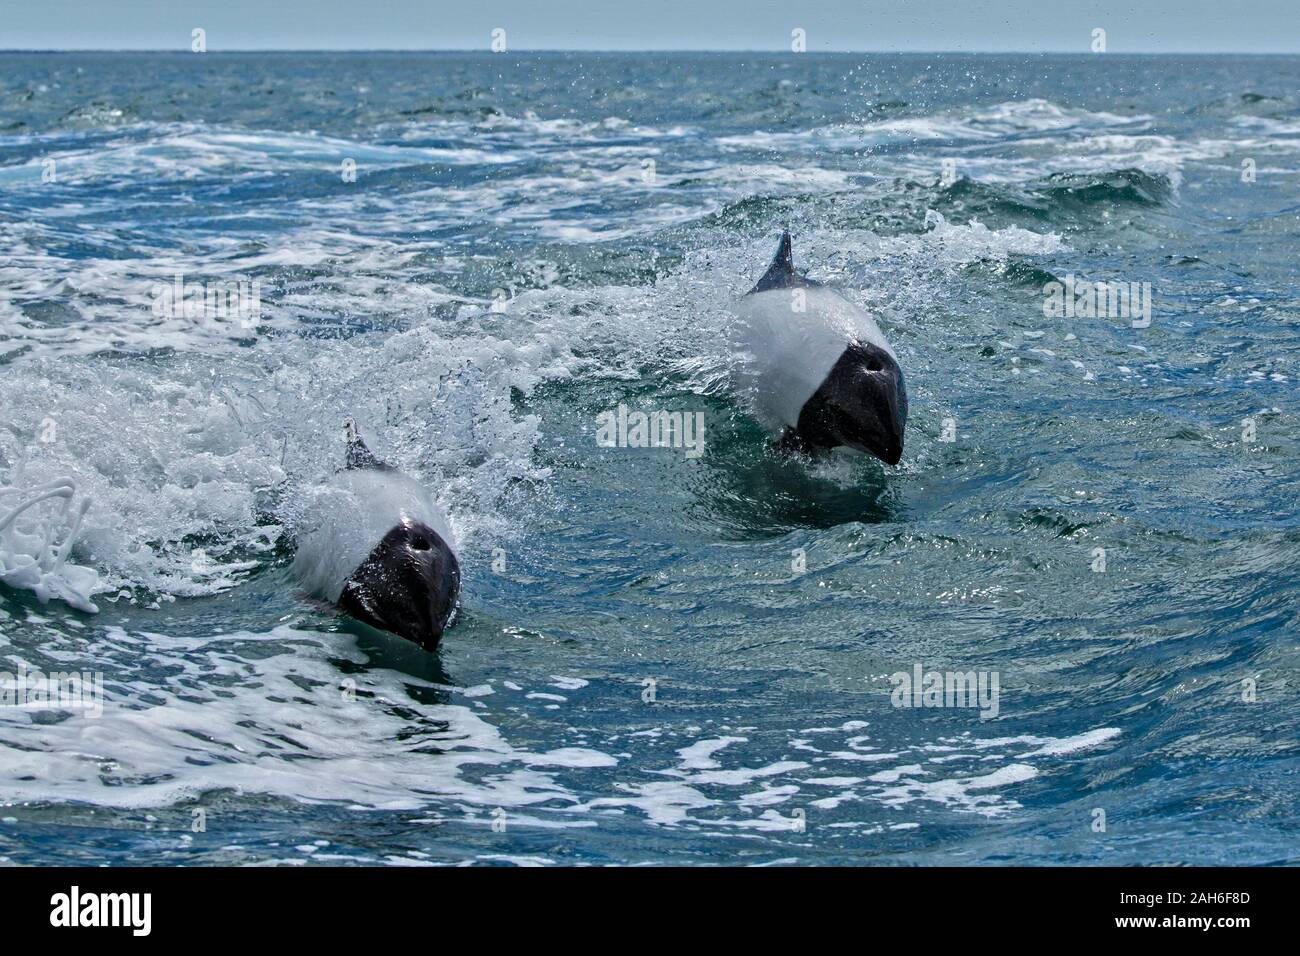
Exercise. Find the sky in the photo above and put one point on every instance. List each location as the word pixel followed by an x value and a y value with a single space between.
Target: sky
pixel 1132 26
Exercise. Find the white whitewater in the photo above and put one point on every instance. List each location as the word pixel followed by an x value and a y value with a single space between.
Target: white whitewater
pixel 35 543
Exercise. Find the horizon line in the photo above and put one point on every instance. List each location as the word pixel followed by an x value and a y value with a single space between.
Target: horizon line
pixel 546 49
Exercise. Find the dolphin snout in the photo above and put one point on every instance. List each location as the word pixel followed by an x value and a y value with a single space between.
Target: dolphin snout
pixel 878 419
pixel 407 586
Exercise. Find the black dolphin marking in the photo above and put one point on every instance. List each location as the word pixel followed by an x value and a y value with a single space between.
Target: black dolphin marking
pixel 407 585
pixel 862 403
pixel 780 274
pixel 409 582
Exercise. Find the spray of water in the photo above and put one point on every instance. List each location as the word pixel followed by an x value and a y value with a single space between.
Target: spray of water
pixel 35 540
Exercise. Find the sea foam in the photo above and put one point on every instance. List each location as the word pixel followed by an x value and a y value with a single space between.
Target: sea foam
pixel 35 541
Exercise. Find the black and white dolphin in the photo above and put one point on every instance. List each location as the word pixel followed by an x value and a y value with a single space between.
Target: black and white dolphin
pixel 375 544
pixel 818 367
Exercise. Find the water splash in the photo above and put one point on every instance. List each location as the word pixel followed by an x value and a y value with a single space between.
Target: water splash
pixel 35 541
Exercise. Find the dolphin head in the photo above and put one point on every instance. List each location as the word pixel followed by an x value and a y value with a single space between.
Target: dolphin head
pixel 407 585
pixel 862 404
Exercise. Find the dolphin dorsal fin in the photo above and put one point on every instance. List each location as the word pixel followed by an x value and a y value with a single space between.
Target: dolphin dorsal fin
pixel 780 274
pixel 358 454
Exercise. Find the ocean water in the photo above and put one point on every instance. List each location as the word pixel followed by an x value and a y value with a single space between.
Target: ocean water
pixel 660 658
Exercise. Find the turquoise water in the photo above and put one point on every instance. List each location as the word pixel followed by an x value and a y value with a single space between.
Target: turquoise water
pixel 659 659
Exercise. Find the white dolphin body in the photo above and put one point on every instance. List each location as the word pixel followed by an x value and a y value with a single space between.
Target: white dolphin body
pixel 816 367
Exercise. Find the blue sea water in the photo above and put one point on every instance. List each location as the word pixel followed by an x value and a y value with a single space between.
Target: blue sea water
pixel 660 659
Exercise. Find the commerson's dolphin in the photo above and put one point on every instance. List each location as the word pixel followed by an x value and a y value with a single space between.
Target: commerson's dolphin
pixel 375 544
pixel 818 367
